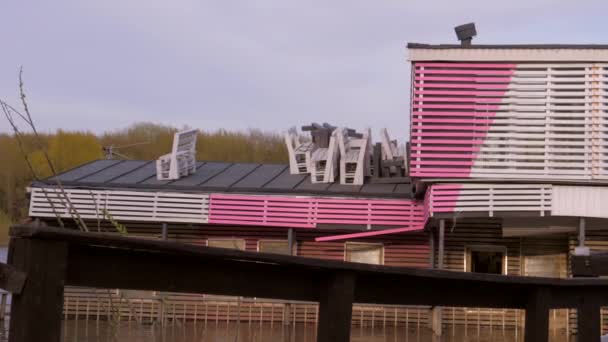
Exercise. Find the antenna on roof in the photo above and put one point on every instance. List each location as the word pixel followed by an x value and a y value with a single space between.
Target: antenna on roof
pixel 110 151
pixel 465 33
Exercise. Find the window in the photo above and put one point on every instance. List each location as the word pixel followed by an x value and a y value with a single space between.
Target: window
pixel 227 243
pixel 275 246
pixel 486 259
pixel 368 253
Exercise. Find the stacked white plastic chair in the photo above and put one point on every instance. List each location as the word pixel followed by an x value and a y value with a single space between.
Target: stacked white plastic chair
pixel 299 152
pixel 355 155
pixel 182 159
pixel 390 150
pixel 324 161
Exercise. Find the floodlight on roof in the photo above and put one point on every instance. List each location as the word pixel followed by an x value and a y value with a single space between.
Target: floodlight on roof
pixel 465 33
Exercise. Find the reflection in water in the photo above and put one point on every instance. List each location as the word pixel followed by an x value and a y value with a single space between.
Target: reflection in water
pixel 90 331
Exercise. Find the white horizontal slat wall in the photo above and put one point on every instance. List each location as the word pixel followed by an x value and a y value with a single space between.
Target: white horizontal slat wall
pixel 489 198
pixel 524 120
pixel 583 201
pixel 122 205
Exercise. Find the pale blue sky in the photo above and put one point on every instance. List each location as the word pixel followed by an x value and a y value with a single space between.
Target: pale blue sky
pixel 98 65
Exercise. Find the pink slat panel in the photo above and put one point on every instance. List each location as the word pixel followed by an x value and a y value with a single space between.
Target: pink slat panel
pixel 452 101
pixel 503 86
pixel 450 134
pixel 443 148
pixel 432 120
pixel 460 99
pixel 468 65
pixel 459 106
pixel 255 210
pixel 462 72
pixel 465 79
pixel 368 234
pixel 447 155
pixel 441 162
pixel 483 127
pixel 442 200
pixel 448 141
pixel 458 92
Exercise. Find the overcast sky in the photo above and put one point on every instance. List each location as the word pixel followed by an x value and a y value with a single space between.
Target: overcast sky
pixel 99 65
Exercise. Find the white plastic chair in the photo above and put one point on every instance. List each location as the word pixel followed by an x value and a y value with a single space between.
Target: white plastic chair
pixel 354 158
pixel 182 159
pixel 299 152
pixel 324 161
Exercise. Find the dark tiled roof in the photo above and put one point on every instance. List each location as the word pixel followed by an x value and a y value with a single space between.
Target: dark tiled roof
pixel 217 177
pixel 507 46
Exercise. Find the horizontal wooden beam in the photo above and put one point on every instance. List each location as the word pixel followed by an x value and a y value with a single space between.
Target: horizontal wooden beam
pixel 143 270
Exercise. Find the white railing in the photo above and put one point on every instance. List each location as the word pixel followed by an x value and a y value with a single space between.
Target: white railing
pixel 490 198
pixel 121 205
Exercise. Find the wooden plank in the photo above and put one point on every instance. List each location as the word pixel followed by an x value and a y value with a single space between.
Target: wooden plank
pixel 36 311
pixel 335 308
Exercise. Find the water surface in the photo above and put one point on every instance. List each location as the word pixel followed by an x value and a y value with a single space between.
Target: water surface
pixel 90 331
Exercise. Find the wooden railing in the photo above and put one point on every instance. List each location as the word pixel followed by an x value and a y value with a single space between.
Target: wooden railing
pixel 40 255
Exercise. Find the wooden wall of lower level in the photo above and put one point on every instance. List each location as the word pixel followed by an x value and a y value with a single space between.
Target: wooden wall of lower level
pixel 546 255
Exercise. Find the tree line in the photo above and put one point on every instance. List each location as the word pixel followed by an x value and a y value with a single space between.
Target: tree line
pixel 141 141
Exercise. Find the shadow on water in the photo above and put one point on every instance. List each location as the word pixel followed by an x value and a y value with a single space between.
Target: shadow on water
pixel 90 331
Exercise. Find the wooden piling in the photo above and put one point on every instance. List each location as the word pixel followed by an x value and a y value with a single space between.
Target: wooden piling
pixel 336 308
pixel 537 316
pixel 45 264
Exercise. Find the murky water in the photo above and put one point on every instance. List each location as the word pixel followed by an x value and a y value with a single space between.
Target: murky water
pixel 89 331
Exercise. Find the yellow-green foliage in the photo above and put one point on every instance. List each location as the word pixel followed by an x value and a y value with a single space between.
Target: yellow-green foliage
pixel 5 222
pixel 70 149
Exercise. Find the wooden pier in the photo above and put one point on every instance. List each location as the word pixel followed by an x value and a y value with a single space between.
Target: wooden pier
pixel 51 258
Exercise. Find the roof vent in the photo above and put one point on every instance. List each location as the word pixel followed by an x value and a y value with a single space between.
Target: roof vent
pixel 465 33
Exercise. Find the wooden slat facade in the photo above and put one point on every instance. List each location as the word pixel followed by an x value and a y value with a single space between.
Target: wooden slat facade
pixel 524 256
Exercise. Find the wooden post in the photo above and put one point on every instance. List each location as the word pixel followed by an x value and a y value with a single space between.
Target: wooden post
pixel 431 248
pixel 3 306
pixel 287 306
pixel 589 320
pixel 290 240
pixel 441 244
pixel 537 316
pixel 165 232
pixel 36 312
pixel 336 308
pixel 581 232
pixel 436 315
